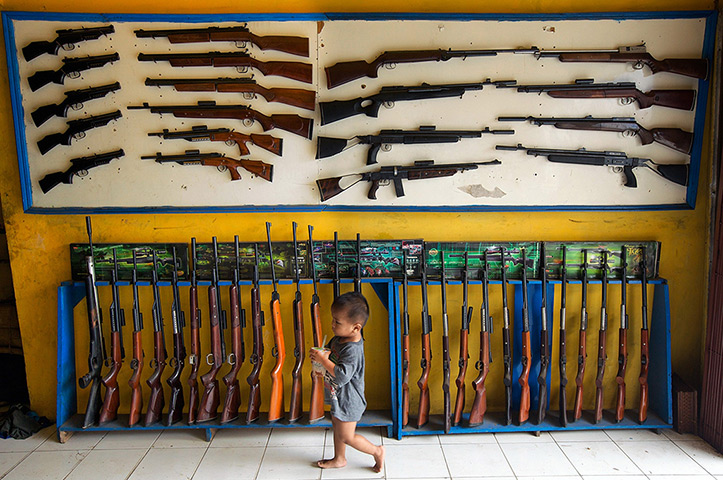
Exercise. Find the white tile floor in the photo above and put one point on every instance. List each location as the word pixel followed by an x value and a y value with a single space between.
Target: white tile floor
pixel 280 454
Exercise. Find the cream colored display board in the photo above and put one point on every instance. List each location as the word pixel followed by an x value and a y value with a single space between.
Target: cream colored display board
pixel 520 181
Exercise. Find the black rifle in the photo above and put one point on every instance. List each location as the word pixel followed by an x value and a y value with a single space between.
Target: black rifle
pixel 134 382
pixel 582 342
pixel 328 146
pixel 158 362
pixel 200 133
pixel 618 160
pixel 506 344
pixel 445 351
pixel 239 34
pixel 337 281
pixel 358 270
pixel 421 170
pixel 674 138
pixel 218 160
pixel 71 68
pixel 340 109
pixel 293 123
pixel 78 166
pixel 298 71
pixel 626 91
pixel 111 401
pixel 97 354
pixel 76 130
pixel 544 336
pixel 602 334
pixel 66 40
pixel 297 390
pixel 177 362
pixel 563 349
pixel 257 357
pixel 73 100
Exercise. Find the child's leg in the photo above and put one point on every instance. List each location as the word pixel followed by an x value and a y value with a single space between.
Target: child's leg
pixel 345 434
pixel 339 459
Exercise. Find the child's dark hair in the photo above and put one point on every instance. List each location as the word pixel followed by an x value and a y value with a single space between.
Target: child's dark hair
pixel 355 306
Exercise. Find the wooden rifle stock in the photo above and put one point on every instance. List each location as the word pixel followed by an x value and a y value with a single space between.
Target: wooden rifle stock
pixel 644 344
pixel 257 357
pixel 423 382
pixel 111 401
pixel 296 401
pixel 267 142
pixel 156 400
pixel 602 340
pixel 208 407
pixel 134 382
pixel 563 346
pixel 544 338
pixel 276 399
pixel 405 380
pixel 463 345
pixel 296 97
pixel 233 392
pixel 506 344
pixel 316 403
pixel 178 361
pixel 479 405
pixel 301 72
pixel 678 99
pixel 281 43
pixel 195 356
pixel 445 351
pixel 526 352
pixel 582 347
pixel 622 342
pixel 690 67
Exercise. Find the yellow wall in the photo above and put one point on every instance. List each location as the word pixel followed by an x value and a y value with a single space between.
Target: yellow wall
pixel 39 243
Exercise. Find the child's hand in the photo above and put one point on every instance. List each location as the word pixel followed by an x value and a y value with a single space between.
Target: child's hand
pixel 318 356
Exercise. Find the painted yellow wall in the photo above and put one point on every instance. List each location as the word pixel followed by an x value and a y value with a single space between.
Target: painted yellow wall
pixel 39 243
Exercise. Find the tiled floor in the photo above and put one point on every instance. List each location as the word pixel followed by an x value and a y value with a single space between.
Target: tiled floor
pixel 283 454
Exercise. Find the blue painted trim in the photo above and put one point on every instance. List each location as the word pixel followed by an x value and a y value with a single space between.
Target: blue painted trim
pixel 660 374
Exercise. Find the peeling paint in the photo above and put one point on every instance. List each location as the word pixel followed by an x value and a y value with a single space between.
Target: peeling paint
pixel 479 191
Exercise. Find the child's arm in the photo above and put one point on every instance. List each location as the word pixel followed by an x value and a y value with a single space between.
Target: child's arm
pixel 323 358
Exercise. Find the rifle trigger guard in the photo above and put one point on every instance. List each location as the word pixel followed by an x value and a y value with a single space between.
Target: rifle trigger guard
pixel 274 351
pixel 79 135
pixel 297 352
pixel 240 44
pixel 231 359
pixel 254 359
pixel 230 143
pixel 626 100
pixel 248 96
pixel 173 362
pixel 478 365
pixel 423 363
pixel 386 147
pixel 74 75
pixel 629 133
pixel 76 106
pixel 638 65
pixel 390 66
pixel 388 104
pixel 617 169
pixel 461 363
pixel 82 173
pixel 134 364
pixel 242 69
pixel 68 47
pixel 248 122
pixel 192 359
pixel 209 362
pixel 153 363
pixel 221 168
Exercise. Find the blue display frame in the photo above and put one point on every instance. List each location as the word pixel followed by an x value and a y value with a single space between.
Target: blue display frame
pixel 14 79
pixel 69 421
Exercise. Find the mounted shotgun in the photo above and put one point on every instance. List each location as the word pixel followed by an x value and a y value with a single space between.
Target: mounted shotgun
pixel 582 349
pixel 111 401
pixel 210 399
pixel 276 401
pixel 506 345
pixel 563 348
pixel 544 337
pixel 463 344
pixel 134 415
pixel 178 361
pixel 316 403
pixel 426 362
pixel 194 357
pixel 445 350
pixel 601 354
pixel 257 356
pixel 158 362
pixel 623 339
pixel 238 351
pixel 200 133
pixel 644 359
pixel 405 341
pixel 297 390
pixel 97 354
pixel 479 406
pixel 526 354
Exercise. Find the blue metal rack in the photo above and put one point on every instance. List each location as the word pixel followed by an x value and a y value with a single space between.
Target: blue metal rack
pixel 69 421
pixel 660 412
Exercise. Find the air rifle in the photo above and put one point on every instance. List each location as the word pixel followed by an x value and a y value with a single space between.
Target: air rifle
pixel 622 339
pixel 626 91
pixel 526 350
pixel 582 347
pixel 78 166
pixel 602 335
pixel 257 356
pixel 239 34
pixel 337 266
pixel 203 133
pixel 329 146
pixel 297 390
pixel 158 362
pixel 178 361
pixel 276 399
pixel 675 173
pixel 76 130
pixel 405 340
pixel 358 268
pixel 291 123
pixel 134 382
pixel 506 343
pixel 544 338
pixel 238 352
pixel 563 348
pixel 445 351
pixel 426 361
pixel 111 401
pixel 421 170
pixel 218 160
pixel 290 96
pixel 195 356
pixel 97 354
pixel 301 72
pixel 463 344
pixel 340 109
pixel 66 39
pixel 316 402
pixel 644 342
pixel 73 100
pixel 479 406
pixel 674 138
pixel 71 68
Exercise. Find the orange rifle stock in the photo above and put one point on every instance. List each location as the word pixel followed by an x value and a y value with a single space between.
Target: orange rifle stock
pixel 276 400
pixel 526 355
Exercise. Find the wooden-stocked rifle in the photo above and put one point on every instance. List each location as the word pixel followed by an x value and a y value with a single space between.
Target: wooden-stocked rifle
pixel 358 269
pixel 156 400
pixel 582 347
pixel 134 382
pixel 316 402
pixel 526 352
pixel 208 407
pixel 426 362
pixel 257 354
pixel 111 401
pixel 644 341
pixel 276 399
pixel 200 133
pixel 622 338
pixel 602 336
pixel 506 343
pixel 178 360
pixel 405 340
pixel 195 356
pixel 447 401
pixel 479 406
pixel 218 160
pixel 463 344
pixel 544 338
pixel 563 333
pixel 337 280
pixel 238 351
pixel 297 390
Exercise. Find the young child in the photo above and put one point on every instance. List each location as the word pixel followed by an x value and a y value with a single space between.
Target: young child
pixel 344 379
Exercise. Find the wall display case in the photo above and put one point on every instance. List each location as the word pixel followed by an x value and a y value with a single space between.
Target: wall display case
pixel 458 111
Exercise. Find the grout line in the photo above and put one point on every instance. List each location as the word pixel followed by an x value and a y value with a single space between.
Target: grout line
pixel 565 454
pixel 446 463
pixel 139 462
pixel 691 457
pixel 263 455
pixel 195 470
pixel 499 445
pixel 629 457
pixel 27 454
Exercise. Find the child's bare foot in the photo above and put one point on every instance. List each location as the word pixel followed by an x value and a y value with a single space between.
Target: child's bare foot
pixel 332 463
pixel 379 458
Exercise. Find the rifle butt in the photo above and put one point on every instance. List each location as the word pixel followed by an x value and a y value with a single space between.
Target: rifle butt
pixel 329 146
pixel 175 405
pixel 294 412
pixel 52 180
pixel 329 187
pixel 134 415
pixel 258 168
pixel 345 72
pixel 524 379
pixel 677 174
pixel 252 414
pixel 459 400
pixel 336 110
pixel 295 97
pixel 51 141
pixel 678 99
pixel 542 403
pixel 192 401
pixel 298 46
pixel 92 410
pixel 598 404
pixel 423 415
pixel 689 67
pixel 276 399
pixel 35 49
pixel 479 405
pixel 268 143
pixel 45 113
pixel 316 405
pixel 39 79
pixel 674 138
pixel 155 404
pixel 301 126
pixel 231 403
pixel 563 380
pixel 111 401
pixel 508 405
pixel 301 72
pixel 208 405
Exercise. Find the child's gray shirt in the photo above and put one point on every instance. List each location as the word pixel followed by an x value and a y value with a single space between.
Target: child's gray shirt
pixel 345 391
